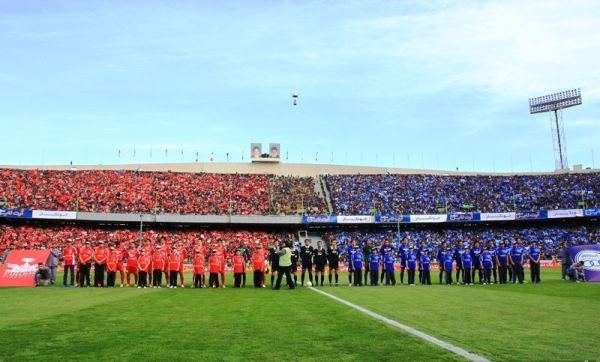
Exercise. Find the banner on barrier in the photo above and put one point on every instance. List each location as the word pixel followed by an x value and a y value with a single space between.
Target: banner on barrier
pixel 54 214
pixel 497 216
pixel 15 213
pixel 392 219
pixel 556 214
pixel 590 256
pixel 319 219
pixel 531 215
pixel 20 267
pixel 355 219
pixel 593 211
pixel 429 218
pixel 463 216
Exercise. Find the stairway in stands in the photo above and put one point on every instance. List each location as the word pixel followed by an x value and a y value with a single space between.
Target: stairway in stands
pixel 323 191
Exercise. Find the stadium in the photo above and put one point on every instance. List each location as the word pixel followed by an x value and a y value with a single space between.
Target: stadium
pixel 258 208
pixel 172 185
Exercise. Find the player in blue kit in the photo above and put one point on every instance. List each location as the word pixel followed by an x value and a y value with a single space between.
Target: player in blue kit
pixel 374 261
pixel 440 258
pixel 516 258
pixel 467 264
pixel 458 253
pixel 487 262
pixel 411 265
pixel 448 259
pixel 386 249
pixel 493 251
pixel 503 261
pixel 357 266
pixel 366 250
pixel 390 272
pixel 534 262
pixel 476 256
pixel 425 268
pixel 402 252
pixel 350 251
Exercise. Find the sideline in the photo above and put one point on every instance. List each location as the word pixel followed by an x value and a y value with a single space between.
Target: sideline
pixel 452 348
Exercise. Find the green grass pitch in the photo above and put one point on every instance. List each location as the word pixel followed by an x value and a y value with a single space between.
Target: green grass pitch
pixel 554 320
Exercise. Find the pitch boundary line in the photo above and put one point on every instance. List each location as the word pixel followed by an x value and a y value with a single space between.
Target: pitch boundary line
pixel 431 339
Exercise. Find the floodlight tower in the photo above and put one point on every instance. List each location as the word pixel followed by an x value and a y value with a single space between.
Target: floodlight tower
pixel 554 104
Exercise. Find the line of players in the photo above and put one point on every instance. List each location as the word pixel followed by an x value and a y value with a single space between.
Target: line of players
pixel 146 264
pixel 502 264
pixel 366 264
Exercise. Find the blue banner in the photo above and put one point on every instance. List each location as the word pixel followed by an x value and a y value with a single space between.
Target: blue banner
pixel 319 219
pixel 531 215
pixel 592 212
pixel 589 255
pixel 464 216
pixel 16 213
pixel 392 219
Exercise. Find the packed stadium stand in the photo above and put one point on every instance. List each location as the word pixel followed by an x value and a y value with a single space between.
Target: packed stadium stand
pixel 427 194
pixel 265 192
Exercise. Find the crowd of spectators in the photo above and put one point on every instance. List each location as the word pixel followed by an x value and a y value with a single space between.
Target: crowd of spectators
pixel 254 194
pixel 548 237
pixel 430 194
pixel 136 191
pixel 50 237
pixel 292 194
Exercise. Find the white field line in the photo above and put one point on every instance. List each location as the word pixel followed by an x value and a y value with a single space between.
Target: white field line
pixel 438 342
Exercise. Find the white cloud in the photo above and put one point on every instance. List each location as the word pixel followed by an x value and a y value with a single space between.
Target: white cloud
pixel 512 49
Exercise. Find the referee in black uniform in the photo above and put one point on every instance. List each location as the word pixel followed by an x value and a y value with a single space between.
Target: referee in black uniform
pixel 320 259
pixel 306 255
pixel 333 260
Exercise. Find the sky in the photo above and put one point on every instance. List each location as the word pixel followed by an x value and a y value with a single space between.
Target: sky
pixel 418 84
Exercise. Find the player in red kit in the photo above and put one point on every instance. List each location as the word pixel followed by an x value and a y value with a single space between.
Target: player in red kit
pixel 258 264
pixel 86 254
pixel 223 256
pixel 120 249
pixel 214 265
pixel 132 264
pixel 199 269
pixel 112 265
pixel 182 256
pixel 100 256
pixel 143 267
pixel 239 269
pixel 69 255
pixel 174 262
pixel 158 264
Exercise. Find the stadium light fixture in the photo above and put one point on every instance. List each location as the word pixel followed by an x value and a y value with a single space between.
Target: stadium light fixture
pixel 554 104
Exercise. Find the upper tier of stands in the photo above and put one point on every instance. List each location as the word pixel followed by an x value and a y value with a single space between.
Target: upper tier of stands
pixel 261 194
pixel 429 194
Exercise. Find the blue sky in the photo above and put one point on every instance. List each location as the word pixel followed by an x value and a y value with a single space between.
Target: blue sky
pixel 434 84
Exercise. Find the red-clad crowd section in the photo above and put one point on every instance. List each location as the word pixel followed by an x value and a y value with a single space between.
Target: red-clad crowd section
pixel 132 191
pixel 42 237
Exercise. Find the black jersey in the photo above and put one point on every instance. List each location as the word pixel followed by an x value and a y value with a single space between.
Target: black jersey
pixel 320 256
pixel 306 254
pixel 333 256
pixel 295 257
pixel 274 259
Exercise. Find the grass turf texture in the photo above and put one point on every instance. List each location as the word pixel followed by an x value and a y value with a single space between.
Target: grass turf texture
pixel 554 320
pixel 551 321
pixel 190 324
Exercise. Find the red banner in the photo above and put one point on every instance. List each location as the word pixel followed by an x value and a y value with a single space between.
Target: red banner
pixel 20 267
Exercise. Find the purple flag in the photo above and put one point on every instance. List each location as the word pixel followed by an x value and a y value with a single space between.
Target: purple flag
pixel 590 256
